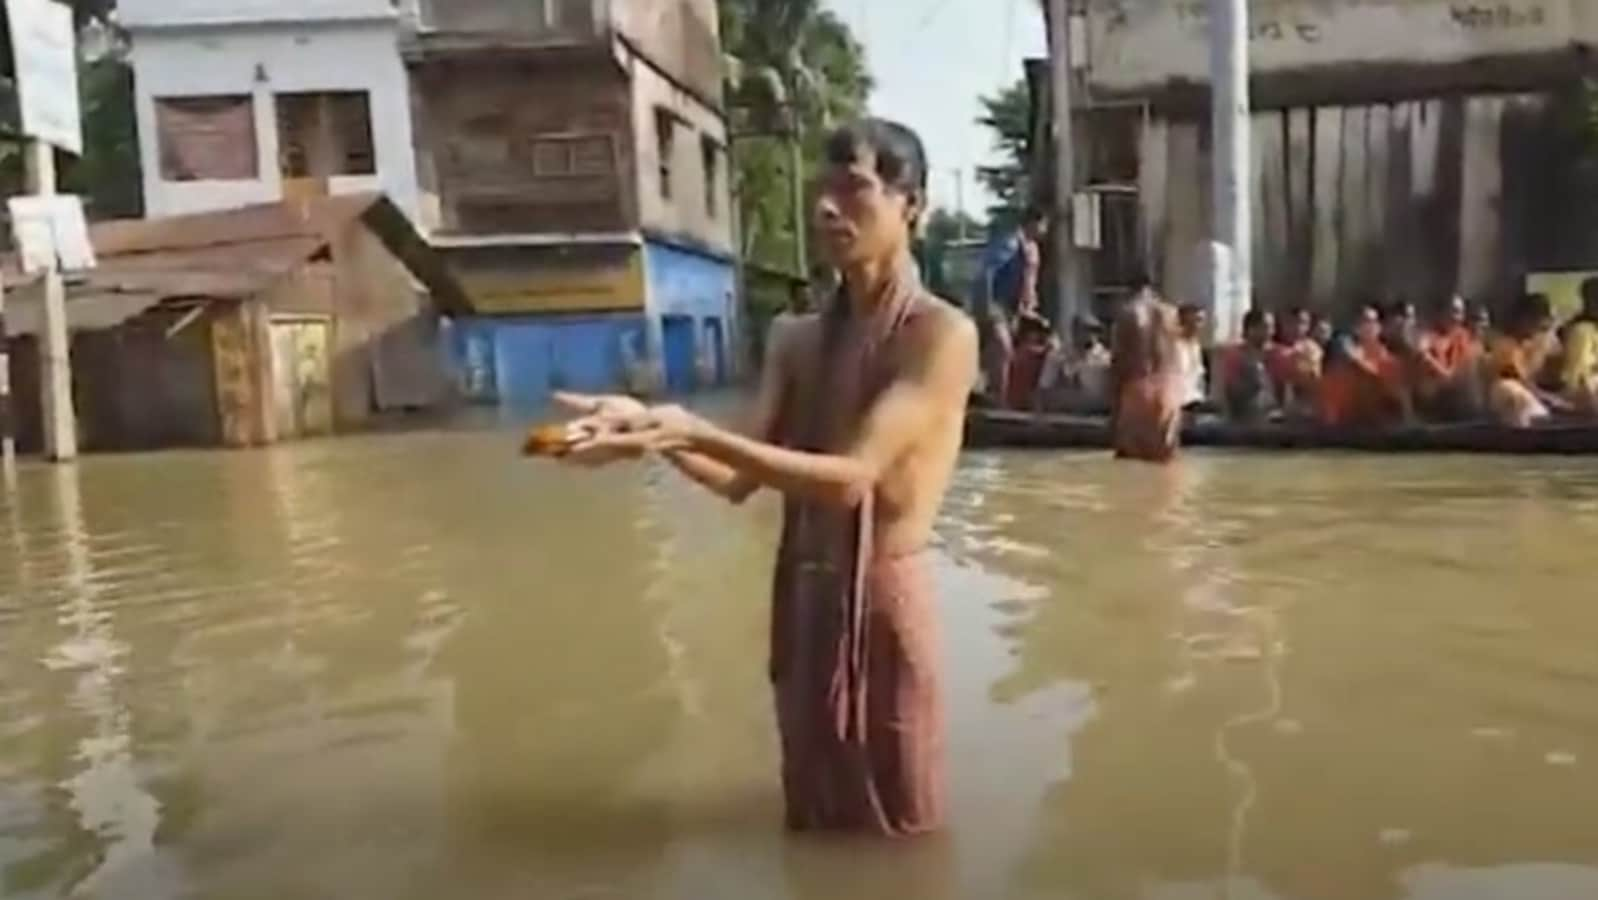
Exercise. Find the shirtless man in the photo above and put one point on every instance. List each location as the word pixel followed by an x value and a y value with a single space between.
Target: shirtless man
pixel 857 424
pixel 1145 380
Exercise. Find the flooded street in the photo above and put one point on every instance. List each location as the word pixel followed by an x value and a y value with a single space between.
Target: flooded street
pixel 414 666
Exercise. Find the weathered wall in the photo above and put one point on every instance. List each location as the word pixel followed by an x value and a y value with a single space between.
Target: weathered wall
pixel 553 279
pixel 687 285
pixel 134 13
pixel 527 19
pixel 263 60
pixel 383 353
pixel 1351 204
pixel 1140 44
pixel 139 389
pixel 678 36
pixel 698 208
pixel 515 361
pixel 484 120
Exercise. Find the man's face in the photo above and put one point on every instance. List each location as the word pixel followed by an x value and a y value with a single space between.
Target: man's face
pixel 1259 332
pixel 1036 230
pixel 1369 326
pixel 1295 326
pixel 859 218
pixel 1456 311
pixel 1193 322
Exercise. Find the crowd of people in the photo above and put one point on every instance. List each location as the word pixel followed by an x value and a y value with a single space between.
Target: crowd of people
pixel 1388 365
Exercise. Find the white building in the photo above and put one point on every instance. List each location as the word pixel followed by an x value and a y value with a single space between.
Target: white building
pixel 249 101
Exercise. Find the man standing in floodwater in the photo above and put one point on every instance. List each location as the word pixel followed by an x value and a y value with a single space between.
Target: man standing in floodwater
pixel 1007 290
pixel 858 423
pixel 1146 380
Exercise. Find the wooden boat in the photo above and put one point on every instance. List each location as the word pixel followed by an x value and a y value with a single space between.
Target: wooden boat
pixel 990 428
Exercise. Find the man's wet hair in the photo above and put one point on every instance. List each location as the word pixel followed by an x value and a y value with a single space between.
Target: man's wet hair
pixel 1254 318
pixel 1034 214
pixel 901 158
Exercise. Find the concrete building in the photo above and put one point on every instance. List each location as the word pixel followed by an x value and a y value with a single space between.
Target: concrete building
pixel 1402 148
pixel 250 101
pixel 573 158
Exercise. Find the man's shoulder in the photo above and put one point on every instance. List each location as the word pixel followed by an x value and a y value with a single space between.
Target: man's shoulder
pixel 936 319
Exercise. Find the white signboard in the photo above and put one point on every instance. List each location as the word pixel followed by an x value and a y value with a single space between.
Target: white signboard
pixel 50 232
pixel 44 44
pixel 1146 43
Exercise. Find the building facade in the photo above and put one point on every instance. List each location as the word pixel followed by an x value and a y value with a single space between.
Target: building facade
pixel 573 159
pixel 242 102
pixel 1403 149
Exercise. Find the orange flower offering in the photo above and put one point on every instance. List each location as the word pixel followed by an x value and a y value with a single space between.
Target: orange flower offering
pixel 551 441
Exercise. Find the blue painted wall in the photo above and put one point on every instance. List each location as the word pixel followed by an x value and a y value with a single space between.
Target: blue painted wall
pixel 687 285
pixel 516 361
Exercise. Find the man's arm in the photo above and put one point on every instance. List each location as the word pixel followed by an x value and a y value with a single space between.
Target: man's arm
pixel 1031 263
pixel 937 385
pixel 715 475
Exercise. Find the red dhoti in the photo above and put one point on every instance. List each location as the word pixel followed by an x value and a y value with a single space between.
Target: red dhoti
pixel 1148 419
pixel 854 643
pixel 855 672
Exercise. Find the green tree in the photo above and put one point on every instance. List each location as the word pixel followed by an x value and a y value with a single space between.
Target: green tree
pixel 790 62
pixel 1007 115
pixel 107 175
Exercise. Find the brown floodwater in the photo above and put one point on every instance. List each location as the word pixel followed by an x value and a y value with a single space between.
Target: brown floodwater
pixel 415 666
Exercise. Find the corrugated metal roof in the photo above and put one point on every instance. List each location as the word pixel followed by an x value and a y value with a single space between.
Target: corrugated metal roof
pixel 93 311
pixel 233 254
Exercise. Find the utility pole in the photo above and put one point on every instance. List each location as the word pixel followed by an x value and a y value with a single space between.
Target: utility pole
pixel 959 191
pixel 1066 265
pixel 796 173
pixel 8 440
pixel 1232 282
pixel 55 361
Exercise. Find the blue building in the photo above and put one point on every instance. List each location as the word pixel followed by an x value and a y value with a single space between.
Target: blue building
pixel 577 166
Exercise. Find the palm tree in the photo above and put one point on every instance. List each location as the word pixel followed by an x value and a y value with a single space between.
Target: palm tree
pixel 793 69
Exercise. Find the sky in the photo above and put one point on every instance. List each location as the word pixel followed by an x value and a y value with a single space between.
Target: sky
pixel 932 60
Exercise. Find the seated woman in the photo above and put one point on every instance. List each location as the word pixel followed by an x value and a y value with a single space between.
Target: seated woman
pixel 1579 372
pixel 1448 384
pixel 1515 366
pixel 1365 384
pixel 1296 361
pixel 1243 380
pixel 1076 379
pixel 1032 340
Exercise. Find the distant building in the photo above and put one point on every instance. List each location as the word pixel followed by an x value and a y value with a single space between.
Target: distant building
pixel 573 158
pixel 251 101
pixel 245 327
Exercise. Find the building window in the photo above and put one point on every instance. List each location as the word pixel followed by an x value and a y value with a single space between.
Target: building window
pixel 207 138
pixel 325 134
pixel 710 151
pixel 573 156
pixel 665 147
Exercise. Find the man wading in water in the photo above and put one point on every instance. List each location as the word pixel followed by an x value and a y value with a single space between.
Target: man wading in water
pixel 858 423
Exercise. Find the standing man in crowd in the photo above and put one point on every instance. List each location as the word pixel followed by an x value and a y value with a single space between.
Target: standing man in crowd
pixel 1007 288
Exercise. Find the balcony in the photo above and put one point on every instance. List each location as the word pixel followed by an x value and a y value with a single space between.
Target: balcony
pixel 158 13
pixel 526 22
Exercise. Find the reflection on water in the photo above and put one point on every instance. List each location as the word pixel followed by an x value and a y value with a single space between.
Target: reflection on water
pixel 417 667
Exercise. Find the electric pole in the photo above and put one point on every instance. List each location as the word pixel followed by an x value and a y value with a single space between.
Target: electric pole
pixel 1232 281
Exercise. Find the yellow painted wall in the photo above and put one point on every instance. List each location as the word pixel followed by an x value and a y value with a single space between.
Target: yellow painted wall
pixel 500 289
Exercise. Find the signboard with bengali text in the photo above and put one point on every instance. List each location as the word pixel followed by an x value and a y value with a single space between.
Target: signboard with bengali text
pixel 1140 44
pixel 44 45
